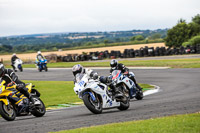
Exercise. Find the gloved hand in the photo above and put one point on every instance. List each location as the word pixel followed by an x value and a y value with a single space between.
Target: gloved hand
pixel 10 84
pixel 126 72
pixel 20 85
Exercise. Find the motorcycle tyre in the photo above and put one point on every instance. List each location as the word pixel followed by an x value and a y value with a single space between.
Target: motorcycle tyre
pixel 90 106
pixel 139 95
pixel 124 106
pixel 38 113
pixel 45 68
pixel 4 114
pixel 21 69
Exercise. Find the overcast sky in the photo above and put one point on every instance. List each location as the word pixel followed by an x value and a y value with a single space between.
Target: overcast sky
pixel 48 16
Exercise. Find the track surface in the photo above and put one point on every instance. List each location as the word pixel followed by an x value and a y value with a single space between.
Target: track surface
pixel 180 94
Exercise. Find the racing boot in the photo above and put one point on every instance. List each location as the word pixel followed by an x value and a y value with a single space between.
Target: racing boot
pixel 27 94
pixel 139 88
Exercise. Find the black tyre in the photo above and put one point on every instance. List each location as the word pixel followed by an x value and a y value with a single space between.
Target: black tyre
pixel 94 107
pixel 8 114
pixel 39 69
pixel 39 110
pixel 124 105
pixel 139 95
pixel 21 69
pixel 45 68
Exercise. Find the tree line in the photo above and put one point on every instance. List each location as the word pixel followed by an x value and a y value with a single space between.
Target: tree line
pixel 183 34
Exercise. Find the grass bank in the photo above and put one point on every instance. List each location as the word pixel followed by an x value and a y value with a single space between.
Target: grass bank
pixel 173 63
pixel 188 123
pixel 59 92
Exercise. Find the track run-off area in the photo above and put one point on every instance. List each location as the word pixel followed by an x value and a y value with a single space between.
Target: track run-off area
pixel 179 94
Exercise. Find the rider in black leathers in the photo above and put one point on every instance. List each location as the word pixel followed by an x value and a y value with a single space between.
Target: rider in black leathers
pixel 118 66
pixel 9 76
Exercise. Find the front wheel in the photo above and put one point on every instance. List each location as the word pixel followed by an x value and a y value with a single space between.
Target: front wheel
pixel 94 106
pixel 21 69
pixel 40 109
pixel 7 112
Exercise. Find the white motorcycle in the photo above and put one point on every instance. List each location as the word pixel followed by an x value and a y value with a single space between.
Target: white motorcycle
pixel 96 96
pixel 18 65
pixel 121 80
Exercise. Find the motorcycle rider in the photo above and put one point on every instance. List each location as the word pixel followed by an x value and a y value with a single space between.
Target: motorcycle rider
pixel 92 74
pixel 39 57
pixel 118 66
pixel 13 59
pixel 10 77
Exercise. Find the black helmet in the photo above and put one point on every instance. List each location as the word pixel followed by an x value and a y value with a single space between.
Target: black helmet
pixel 2 69
pixel 113 63
pixel 77 69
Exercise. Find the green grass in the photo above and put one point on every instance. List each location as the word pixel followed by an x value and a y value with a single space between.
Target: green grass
pixel 188 123
pixel 56 92
pixel 59 92
pixel 173 63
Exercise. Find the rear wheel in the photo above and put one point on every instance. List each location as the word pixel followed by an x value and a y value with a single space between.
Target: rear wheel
pixel 139 94
pixel 45 68
pixel 124 105
pixel 7 112
pixel 39 110
pixel 39 69
pixel 94 106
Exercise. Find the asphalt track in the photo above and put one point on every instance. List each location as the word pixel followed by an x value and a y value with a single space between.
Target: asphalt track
pixel 180 94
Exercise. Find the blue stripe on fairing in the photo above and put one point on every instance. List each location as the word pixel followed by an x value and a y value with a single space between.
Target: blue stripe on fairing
pixel 90 93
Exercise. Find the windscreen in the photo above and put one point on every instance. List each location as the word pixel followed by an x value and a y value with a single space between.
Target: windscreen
pixel 79 76
pixel 116 74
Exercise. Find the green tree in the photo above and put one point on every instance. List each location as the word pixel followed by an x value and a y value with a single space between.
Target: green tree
pixel 132 38
pixel 194 40
pixel 177 35
pixel 106 41
pixel 196 19
pixel 155 36
pixel 139 37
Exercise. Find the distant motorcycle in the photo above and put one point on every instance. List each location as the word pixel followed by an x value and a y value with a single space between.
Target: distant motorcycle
pixel 96 96
pixel 10 108
pixel 18 65
pixel 121 80
pixel 42 65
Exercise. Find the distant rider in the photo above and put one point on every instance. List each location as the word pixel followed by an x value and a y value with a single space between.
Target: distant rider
pixel 118 66
pixel 39 57
pixel 94 75
pixel 9 76
pixel 13 59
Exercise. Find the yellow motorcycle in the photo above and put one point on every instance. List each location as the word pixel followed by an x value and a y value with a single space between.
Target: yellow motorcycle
pixel 13 103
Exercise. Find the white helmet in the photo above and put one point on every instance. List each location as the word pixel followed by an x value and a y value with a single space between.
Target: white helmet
pixel 39 52
pixel 77 69
pixel 14 54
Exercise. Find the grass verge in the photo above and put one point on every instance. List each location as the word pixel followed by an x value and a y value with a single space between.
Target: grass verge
pixel 188 123
pixel 59 92
pixel 173 63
